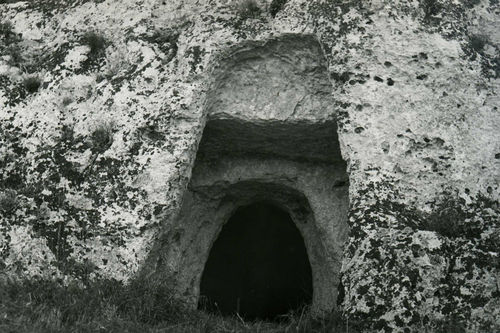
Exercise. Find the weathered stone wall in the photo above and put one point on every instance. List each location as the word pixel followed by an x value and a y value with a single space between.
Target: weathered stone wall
pixel 94 160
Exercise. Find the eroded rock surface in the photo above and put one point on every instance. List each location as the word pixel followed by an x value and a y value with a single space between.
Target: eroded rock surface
pixel 98 140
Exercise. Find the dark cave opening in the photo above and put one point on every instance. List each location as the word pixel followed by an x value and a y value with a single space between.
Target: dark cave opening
pixel 258 267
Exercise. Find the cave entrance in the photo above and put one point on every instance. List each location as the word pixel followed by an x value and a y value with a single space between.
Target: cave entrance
pixel 269 134
pixel 258 267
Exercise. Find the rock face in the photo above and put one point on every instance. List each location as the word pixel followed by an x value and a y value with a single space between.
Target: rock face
pixel 131 130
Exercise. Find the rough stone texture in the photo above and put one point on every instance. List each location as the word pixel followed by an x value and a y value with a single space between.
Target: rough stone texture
pixel 270 135
pixel 317 207
pixel 281 79
pixel 96 161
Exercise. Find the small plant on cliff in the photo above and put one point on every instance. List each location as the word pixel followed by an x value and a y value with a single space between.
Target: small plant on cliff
pixel 478 42
pixel 14 52
pixel 431 9
pixel 67 100
pixel 248 9
pixel 276 6
pixel 11 47
pixel 102 138
pixel 96 41
pixel 32 84
pixel 7 31
pixel 8 201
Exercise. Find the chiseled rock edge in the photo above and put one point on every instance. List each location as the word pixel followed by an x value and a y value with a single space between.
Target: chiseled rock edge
pixel 417 90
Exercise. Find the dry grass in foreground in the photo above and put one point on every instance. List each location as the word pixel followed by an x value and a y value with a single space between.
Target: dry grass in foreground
pixel 109 306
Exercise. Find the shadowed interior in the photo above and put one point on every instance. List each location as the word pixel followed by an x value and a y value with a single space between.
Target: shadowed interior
pixel 307 142
pixel 258 266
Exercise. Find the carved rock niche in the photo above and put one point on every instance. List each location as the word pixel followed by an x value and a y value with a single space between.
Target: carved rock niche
pixel 269 145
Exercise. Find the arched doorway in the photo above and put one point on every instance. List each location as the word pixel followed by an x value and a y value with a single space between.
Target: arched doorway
pixel 258 267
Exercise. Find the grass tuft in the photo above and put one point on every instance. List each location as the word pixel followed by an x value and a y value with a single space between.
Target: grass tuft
pixel 32 84
pixel 276 6
pixel 67 100
pixel 248 9
pixel 10 40
pixel 7 30
pixel 96 41
pixel 102 138
pixel 14 52
pixel 8 201
pixel 478 42
pixel 431 9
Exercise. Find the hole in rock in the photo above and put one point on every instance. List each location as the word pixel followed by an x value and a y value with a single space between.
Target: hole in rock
pixel 258 267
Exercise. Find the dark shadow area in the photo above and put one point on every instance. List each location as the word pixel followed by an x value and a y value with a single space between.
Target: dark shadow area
pixel 303 142
pixel 258 267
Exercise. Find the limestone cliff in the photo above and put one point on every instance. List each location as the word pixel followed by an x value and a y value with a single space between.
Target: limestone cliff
pixel 103 105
